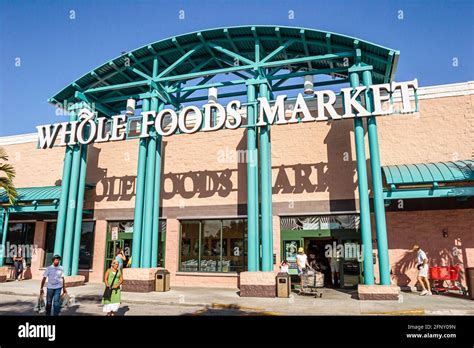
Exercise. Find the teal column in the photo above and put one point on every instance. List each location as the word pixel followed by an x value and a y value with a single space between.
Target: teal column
pixel 149 193
pixel 71 210
pixel 377 189
pixel 62 211
pixel 253 239
pixel 156 199
pixel 266 191
pixel 79 211
pixel 364 205
pixel 139 193
pixel 4 228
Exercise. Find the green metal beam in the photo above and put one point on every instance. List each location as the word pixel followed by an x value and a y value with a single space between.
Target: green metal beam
pixel 266 190
pixel 208 49
pixel 139 73
pixel 71 210
pixel 377 189
pixel 278 50
pixel 429 192
pixel 230 53
pixel 139 196
pixel 89 99
pixel 156 199
pixel 362 183
pixel 181 50
pixel 149 193
pixel 253 239
pixel 178 62
pixel 160 78
pixel 39 208
pixel 305 46
pixel 308 59
pixel 79 210
pixel 63 201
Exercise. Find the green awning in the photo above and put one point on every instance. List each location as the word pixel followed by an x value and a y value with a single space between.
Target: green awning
pixel 429 173
pixel 429 180
pixel 29 194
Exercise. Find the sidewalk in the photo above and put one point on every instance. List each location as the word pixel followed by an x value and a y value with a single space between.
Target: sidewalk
pixel 333 302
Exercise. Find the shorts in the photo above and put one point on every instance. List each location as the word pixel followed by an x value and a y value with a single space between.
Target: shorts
pixel 423 271
pixel 301 271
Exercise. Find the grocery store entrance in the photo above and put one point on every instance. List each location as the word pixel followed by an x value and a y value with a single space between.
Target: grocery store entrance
pixel 332 244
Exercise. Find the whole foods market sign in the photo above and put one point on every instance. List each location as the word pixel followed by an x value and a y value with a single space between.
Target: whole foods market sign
pixel 214 116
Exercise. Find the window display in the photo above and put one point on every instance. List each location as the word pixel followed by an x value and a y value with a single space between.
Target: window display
pixel 213 245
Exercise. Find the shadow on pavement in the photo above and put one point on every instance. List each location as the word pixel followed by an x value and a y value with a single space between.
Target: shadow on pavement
pixel 229 310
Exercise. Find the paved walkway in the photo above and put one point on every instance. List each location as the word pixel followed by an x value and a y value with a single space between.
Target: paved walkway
pixel 19 297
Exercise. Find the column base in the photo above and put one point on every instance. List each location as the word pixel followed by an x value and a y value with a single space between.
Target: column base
pixel 139 279
pixel 257 284
pixel 72 281
pixel 378 292
pixel 6 272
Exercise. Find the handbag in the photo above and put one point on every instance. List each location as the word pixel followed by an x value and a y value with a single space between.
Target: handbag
pixel 40 306
pixel 108 290
pixel 64 300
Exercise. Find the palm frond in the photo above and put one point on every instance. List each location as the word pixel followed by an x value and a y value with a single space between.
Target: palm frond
pixel 8 170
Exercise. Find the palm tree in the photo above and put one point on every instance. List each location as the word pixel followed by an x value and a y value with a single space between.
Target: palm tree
pixel 7 174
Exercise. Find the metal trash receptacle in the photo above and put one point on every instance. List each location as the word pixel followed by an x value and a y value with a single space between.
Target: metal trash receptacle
pixel 470 281
pixel 162 280
pixel 283 284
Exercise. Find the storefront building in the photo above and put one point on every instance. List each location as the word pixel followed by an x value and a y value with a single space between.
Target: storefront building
pixel 211 205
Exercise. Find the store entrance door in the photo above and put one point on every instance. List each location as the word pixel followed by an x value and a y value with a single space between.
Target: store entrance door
pixel 316 250
pixel 124 243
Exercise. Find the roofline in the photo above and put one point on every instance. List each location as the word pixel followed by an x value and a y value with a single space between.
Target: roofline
pixel 396 52
pixel 426 92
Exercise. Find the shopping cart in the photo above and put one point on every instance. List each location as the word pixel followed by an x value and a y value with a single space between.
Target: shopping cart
pixel 311 280
pixel 446 279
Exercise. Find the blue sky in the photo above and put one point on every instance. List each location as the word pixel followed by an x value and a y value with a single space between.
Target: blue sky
pixel 54 50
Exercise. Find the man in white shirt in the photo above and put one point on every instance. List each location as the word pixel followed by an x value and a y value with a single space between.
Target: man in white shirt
pixel 422 265
pixel 55 275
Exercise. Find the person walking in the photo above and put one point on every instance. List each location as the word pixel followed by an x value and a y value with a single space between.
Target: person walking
pixel 301 262
pixel 120 258
pixel 422 266
pixel 55 275
pixel 18 264
pixel 113 279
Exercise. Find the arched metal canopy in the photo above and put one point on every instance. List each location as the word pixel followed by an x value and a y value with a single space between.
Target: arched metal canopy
pixel 277 52
pixel 428 173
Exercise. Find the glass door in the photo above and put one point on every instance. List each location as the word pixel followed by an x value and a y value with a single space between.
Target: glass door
pixel 290 250
pixel 111 249
pixel 351 264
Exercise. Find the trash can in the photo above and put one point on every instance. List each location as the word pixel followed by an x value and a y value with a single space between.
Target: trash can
pixel 283 283
pixel 162 280
pixel 470 281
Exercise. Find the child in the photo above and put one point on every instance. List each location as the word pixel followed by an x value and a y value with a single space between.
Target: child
pixel 284 267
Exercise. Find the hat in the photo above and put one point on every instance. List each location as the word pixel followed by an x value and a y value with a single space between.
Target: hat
pixel 301 250
pixel 56 257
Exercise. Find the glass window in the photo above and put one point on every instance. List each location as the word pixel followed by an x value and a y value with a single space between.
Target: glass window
pixel 85 249
pixel 20 239
pixel 213 245
pixel 49 243
pixel 87 245
pixel 190 232
pixel 233 245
